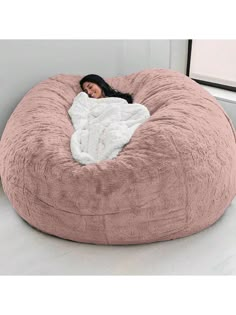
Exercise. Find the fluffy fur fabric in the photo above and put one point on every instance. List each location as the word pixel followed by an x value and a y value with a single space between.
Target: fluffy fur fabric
pixel 103 126
pixel 175 177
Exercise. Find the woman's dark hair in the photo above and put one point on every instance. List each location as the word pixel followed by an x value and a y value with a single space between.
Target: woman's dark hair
pixel 106 88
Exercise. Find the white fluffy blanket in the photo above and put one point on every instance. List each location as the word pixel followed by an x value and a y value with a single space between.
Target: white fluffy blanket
pixel 103 126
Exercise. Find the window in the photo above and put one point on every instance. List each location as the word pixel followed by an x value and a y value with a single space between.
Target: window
pixel 213 62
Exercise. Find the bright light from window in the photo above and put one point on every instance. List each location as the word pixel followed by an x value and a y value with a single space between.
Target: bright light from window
pixel 214 61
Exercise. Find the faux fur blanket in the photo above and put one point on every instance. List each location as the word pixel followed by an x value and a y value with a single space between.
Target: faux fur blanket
pixel 103 126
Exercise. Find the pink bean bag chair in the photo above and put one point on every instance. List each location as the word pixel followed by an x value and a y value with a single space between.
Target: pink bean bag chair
pixel 174 178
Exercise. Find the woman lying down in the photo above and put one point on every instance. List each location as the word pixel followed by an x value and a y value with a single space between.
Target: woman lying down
pixel 103 120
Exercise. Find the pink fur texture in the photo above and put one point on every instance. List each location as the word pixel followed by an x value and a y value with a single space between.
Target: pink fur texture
pixel 174 178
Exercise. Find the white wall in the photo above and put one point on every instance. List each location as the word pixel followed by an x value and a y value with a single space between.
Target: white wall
pixel 24 63
pixel 230 109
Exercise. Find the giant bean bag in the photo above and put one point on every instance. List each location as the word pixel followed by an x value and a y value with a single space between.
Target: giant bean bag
pixel 175 177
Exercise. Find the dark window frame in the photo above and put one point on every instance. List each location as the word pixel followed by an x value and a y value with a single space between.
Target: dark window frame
pixel 217 85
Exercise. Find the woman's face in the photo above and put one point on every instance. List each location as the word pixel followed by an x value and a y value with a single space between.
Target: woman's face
pixel 93 90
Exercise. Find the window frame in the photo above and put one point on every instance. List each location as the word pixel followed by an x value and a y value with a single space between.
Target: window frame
pixel 217 85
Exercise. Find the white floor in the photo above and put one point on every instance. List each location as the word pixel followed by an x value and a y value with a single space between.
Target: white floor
pixel 26 251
